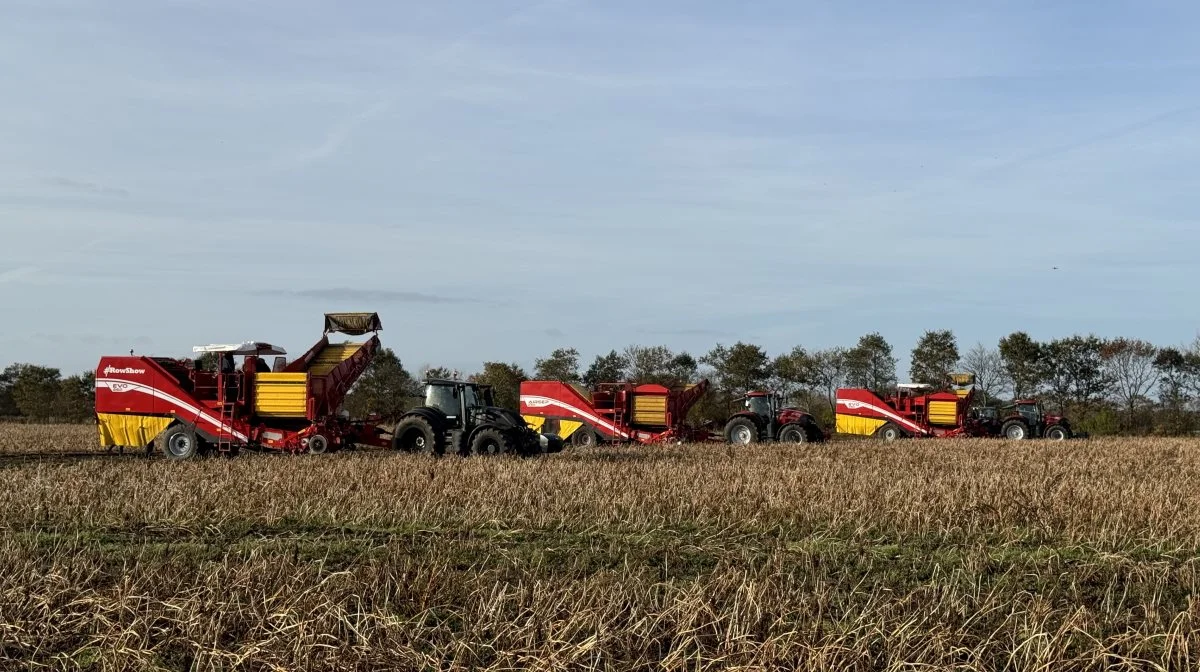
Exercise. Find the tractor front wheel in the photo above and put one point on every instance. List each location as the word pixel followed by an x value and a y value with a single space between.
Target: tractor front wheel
pixel 793 433
pixel 178 442
pixel 1057 433
pixel 1015 430
pixel 491 442
pixel 741 431
pixel 416 435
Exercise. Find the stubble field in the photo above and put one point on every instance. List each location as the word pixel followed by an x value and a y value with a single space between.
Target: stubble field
pixel 851 555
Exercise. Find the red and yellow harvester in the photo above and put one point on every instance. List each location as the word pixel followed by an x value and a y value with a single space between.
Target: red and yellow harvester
pixel 915 409
pixel 292 407
pixel 613 412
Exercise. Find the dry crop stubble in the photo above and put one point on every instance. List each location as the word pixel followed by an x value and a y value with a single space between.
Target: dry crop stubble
pixel 855 555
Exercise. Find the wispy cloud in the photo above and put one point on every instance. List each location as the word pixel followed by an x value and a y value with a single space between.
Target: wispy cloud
pixel 84 186
pixel 349 294
pixel 18 274
pixel 333 142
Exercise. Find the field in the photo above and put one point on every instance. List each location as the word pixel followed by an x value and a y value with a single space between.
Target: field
pixel 952 555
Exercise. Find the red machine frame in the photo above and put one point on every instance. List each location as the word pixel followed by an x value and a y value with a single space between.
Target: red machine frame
pixel 609 410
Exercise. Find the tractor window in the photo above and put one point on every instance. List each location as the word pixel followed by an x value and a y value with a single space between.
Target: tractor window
pixel 442 398
pixel 472 398
pixel 759 406
pixel 1031 412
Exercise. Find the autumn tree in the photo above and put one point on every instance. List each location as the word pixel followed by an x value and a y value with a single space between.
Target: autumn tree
pixel 439 373
pixel 76 398
pixel 871 364
pixel 35 390
pixel 829 373
pixel 738 368
pixel 988 368
pixel 1177 370
pixel 386 388
pixel 608 368
pixel 1023 364
pixel 8 405
pixel 505 380
pixel 562 365
pixel 934 358
pixel 794 372
pixel 1075 372
pixel 1129 366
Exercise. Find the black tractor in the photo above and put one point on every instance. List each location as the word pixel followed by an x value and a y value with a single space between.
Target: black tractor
pixel 462 418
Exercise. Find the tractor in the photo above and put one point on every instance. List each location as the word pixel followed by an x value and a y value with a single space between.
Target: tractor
pixel 765 418
pixel 462 418
pixel 1027 419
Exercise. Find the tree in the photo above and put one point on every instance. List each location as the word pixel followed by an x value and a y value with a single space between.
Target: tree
pixel 829 372
pixel 76 399
pixel 988 367
pixel 1176 370
pixel 8 405
pixel 1022 359
pixel 505 380
pixel 35 389
pixel 649 364
pixel 934 358
pixel 439 373
pixel 682 369
pixel 562 364
pixel 386 388
pixel 1129 365
pixel 739 368
pixel 794 372
pixel 870 364
pixel 608 368
pixel 1075 371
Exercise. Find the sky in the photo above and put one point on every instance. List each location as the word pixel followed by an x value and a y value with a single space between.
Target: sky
pixel 500 178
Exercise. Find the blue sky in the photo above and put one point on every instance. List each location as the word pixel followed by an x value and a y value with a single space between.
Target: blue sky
pixel 498 179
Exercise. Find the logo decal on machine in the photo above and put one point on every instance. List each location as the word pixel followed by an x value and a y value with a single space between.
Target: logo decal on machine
pixel 110 369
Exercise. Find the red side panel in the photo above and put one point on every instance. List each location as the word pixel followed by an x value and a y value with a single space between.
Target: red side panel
pixel 866 404
pixel 139 386
pixel 559 400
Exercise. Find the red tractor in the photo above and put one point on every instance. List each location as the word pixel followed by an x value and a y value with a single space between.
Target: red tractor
pixel 765 418
pixel 1027 419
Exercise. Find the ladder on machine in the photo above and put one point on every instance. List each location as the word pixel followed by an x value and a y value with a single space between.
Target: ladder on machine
pixel 227 407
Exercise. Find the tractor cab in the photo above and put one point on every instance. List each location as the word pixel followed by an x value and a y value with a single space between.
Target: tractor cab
pixel 459 401
pixel 763 404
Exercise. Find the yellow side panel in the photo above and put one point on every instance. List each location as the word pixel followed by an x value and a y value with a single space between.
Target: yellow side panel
pixel 331 356
pixel 962 392
pixel 943 413
pixel 565 427
pixel 281 395
pixel 650 409
pixel 118 429
pixel 852 424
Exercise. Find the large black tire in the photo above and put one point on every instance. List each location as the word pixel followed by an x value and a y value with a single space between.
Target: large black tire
pixel 490 442
pixel 1057 433
pixel 888 433
pixel 584 437
pixel 414 434
pixel 794 433
pixel 318 444
pixel 741 431
pixel 178 442
pixel 1015 430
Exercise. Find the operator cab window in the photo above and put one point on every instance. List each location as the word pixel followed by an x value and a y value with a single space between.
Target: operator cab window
pixel 443 399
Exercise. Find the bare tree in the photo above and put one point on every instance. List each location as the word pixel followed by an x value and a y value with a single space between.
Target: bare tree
pixel 1129 365
pixel 988 367
pixel 829 373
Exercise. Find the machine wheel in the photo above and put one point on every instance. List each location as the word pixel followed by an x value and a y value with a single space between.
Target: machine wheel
pixel 889 433
pixel 178 442
pixel 415 435
pixel 491 442
pixel 1015 430
pixel 318 444
pixel 793 433
pixel 1057 433
pixel 741 431
pixel 584 437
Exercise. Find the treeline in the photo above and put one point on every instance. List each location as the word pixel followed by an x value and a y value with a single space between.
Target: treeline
pixel 1105 386
pixel 41 394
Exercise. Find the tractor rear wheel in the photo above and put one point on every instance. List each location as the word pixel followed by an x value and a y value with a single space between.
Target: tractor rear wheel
pixel 178 442
pixel 584 437
pixel 1015 430
pixel 1057 433
pixel 741 431
pixel 491 442
pixel 415 435
pixel 888 433
pixel 793 433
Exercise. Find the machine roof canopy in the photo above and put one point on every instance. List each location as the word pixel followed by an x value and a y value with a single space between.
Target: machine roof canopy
pixel 248 348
